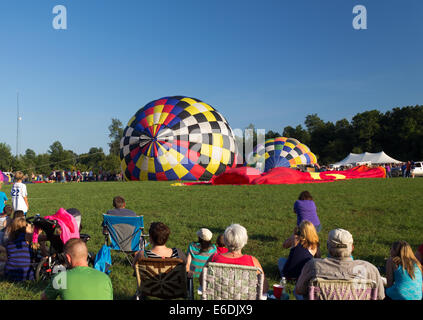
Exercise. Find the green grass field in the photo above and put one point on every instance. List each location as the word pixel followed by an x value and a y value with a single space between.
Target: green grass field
pixel 376 211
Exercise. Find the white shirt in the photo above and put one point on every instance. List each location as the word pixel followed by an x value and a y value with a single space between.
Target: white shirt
pixel 18 193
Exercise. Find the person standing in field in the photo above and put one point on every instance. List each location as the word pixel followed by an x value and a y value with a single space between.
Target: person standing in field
pixel 3 198
pixel 19 194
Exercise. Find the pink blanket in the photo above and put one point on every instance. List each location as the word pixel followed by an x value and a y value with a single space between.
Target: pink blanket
pixel 67 223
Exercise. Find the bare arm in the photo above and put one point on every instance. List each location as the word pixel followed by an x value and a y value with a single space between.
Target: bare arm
pixel 188 265
pixel 258 265
pixel 26 201
pixel 292 241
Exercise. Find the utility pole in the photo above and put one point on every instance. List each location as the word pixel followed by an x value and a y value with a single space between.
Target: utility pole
pixel 18 118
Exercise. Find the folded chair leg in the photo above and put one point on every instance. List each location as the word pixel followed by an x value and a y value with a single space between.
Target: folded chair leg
pixel 190 288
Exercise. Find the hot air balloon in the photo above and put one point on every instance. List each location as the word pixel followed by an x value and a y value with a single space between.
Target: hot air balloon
pixel 177 138
pixel 283 152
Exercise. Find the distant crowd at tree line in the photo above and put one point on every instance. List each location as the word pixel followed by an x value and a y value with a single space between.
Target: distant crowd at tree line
pixel 405 169
pixel 74 176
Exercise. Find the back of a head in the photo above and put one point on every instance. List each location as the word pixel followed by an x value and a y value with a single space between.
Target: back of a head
pixel 220 240
pixel 235 237
pixel 8 210
pixel 16 227
pixel 77 249
pixel 308 235
pixel 159 233
pixel 305 195
pixel 18 214
pixel 118 202
pixel 19 175
pixel 403 255
pixel 204 238
pixel 340 243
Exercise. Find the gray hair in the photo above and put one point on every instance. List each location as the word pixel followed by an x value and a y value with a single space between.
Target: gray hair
pixel 235 237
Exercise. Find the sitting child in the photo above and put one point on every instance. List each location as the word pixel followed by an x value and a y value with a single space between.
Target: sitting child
pixel 220 244
pixel 199 252
pixel 18 265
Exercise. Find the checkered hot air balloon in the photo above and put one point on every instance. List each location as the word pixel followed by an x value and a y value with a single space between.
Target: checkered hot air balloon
pixel 177 138
pixel 282 152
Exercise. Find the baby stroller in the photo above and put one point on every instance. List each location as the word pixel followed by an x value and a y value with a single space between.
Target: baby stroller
pixel 46 266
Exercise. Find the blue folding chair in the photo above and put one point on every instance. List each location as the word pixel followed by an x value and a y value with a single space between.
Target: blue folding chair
pixel 124 233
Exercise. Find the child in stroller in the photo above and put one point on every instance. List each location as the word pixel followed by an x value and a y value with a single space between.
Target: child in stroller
pixel 57 229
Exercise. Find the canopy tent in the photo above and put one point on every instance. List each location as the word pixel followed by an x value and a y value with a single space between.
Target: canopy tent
pixel 366 157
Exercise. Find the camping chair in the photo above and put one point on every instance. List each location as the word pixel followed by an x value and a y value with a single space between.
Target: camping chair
pixel 323 289
pixel 164 278
pixel 124 233
pixel 231 282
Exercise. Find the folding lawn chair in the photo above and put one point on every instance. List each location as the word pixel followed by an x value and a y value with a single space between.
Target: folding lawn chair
pixel 124 233
pixel 323 289
pixel 164 278
pixel 223 281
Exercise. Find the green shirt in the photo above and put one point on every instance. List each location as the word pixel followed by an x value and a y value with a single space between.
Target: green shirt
pixel 80 283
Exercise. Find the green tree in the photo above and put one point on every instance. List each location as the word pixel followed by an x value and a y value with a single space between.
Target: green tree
pixel 111 164
pixel 115 135
pixel 367 127
pixel 92 160
pixel 61 159
pixel 272 134
pixel 298 133
pixel 6 158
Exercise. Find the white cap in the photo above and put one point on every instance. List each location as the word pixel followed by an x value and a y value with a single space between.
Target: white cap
pixel 204 234
pixel 340 238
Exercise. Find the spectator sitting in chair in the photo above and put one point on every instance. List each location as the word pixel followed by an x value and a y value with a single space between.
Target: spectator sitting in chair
pixel 119 205
pixel 158 235
pixel 80 282
pixel 235 238
pixel 340 266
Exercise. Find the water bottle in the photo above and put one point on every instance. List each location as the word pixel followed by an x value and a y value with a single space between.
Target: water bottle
pixel 282 283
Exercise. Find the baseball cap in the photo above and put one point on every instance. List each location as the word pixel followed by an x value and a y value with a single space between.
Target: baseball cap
pixel 204 234
pixel 340 238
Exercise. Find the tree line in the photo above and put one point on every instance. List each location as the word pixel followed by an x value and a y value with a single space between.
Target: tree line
pixel 58 158
pixel 398 132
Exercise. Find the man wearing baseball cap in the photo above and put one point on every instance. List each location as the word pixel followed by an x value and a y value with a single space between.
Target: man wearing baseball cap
pixel 339 265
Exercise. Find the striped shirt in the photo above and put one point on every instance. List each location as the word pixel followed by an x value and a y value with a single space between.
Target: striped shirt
pixel 150 254
pixel 18 266
pixel 198 257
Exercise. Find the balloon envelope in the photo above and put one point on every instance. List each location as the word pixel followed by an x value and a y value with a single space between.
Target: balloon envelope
pixel 177 138
pixel 282 152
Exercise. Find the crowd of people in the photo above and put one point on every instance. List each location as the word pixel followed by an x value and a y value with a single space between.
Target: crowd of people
pixel 63 176
pixel 402 281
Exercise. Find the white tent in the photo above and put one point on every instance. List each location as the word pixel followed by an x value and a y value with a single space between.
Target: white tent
pixel 366 157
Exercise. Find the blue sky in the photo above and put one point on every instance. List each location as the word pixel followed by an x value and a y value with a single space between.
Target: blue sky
pixel 268 62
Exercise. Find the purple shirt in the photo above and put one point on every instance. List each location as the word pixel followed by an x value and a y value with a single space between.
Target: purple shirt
pixel 306 210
